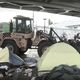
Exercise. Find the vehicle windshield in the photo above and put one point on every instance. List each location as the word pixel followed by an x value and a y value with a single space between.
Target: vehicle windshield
pixel 24 26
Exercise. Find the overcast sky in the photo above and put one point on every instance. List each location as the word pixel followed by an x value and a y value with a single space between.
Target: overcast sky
pixel 58 20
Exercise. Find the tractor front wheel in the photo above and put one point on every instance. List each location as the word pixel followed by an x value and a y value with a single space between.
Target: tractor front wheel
pixel 42 47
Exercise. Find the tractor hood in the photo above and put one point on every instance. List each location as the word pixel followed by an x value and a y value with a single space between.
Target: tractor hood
pixel 58 54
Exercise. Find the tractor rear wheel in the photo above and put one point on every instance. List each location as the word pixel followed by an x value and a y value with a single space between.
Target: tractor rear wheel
pixel 42 47
pixel 13 48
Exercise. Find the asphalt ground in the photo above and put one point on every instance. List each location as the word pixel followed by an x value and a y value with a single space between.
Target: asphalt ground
pixel 32 53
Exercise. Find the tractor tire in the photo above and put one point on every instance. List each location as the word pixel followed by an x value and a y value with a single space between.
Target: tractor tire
pixel 13 48
pixel 42 47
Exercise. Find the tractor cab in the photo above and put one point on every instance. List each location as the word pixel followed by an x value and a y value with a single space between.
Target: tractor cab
pixel 23 24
